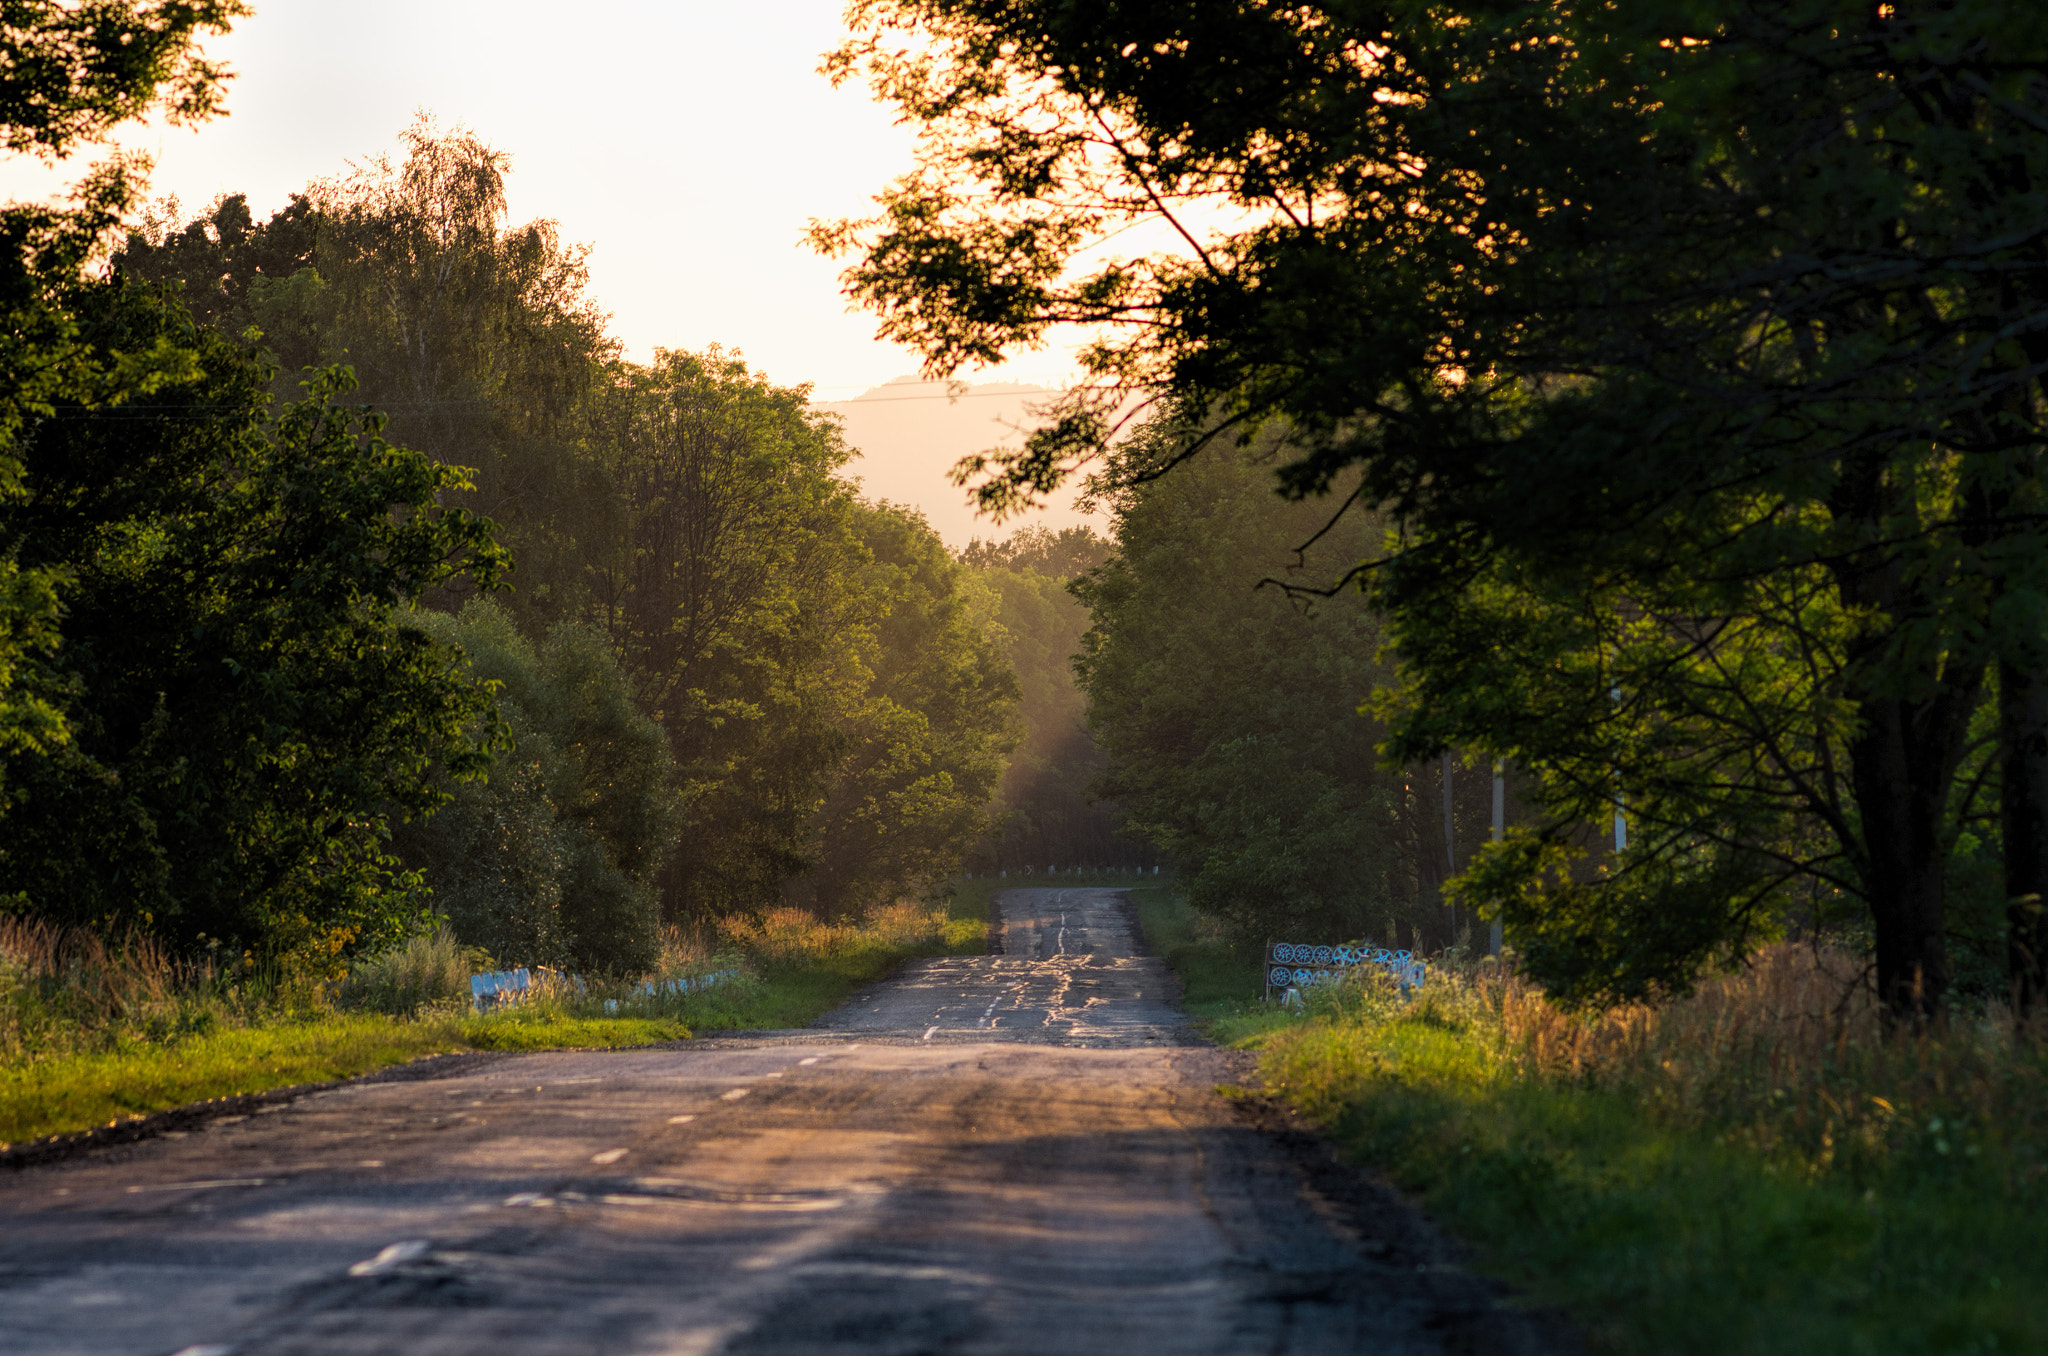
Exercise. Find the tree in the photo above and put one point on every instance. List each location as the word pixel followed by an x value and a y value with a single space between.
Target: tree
pixel 474 336
pixel 74 71
pixel 553 857
pixel 927 735
pixel 686 510
pixel 246 717
pixel 1634 291
pixel 1044 810
pixel 1228 711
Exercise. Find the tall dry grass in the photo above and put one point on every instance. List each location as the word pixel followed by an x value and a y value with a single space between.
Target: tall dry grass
pixel 427 971
pixel 794 937
pixel 66 989
pixel 1789 1055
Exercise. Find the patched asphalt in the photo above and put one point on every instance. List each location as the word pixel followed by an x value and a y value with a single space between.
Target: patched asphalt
pixel 1021 1153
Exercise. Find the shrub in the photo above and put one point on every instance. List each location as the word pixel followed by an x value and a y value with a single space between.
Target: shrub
pixel 429 970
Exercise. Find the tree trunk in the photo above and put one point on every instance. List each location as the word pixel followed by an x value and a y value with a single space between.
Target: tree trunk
pixel 1904 760
pixel 2023 822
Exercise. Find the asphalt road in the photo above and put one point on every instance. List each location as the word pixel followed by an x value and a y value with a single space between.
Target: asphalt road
pixel 1019 1153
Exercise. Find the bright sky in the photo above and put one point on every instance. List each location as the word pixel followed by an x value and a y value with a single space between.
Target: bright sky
pixel 687 141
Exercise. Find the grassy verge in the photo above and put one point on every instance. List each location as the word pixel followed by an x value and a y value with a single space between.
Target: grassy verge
pixel 801 968
pixel 85 1045
pixel 80 1091
pixel 1220 983
pixel 1756 1169
pixel 1753 1170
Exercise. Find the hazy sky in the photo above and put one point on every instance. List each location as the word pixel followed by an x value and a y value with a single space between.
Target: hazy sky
pixel 687 141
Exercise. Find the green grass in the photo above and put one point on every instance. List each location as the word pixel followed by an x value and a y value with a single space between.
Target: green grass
pixel 798 976
pixel 1683 1233
pixel 1220 983
pixel 80 1091
pixel 1722 1208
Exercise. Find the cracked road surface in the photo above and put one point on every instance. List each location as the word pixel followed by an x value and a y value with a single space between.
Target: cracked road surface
pixel 1019 1153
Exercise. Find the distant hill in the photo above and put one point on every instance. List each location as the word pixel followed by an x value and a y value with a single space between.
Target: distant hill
pixel 909 435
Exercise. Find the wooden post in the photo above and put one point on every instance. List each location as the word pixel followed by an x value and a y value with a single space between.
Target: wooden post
pixel 1500 829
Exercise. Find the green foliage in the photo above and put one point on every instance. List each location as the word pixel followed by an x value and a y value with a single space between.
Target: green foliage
pixel 75 71
pixel 429 970
pixel 1228 711
pixel 551 857
pixel 1045 813
pixel 1680 321
pixel 932 727
pixel 245 713
pixel 473 336
pixel 815 665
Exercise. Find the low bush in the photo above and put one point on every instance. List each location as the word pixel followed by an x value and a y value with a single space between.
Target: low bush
pixel 430 970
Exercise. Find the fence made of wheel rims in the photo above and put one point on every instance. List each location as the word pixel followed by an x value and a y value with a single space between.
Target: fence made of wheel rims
pixel 1300 965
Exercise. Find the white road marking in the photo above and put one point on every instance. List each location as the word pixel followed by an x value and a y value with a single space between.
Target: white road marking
pixel 928 1032
pixel 812 1060
pixel 734 1095
pixel 608 1156
pixel 681 1120
pixel 200 1186
pixel 395 1255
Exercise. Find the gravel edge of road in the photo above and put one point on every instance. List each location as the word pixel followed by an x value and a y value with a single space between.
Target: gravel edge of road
pixel 1481 1315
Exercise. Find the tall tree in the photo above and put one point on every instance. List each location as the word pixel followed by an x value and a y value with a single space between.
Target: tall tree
pixel 72 73
pixel 1046 812
pixel 1743 292
pixel 246 716
pixel 1228 710
pixel 472 335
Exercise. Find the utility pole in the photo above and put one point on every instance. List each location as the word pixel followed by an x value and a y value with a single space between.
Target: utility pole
pixel 1500 831
pixel 1450 844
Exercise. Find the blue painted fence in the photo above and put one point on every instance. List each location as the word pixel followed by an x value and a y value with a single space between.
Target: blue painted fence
pixel 501 987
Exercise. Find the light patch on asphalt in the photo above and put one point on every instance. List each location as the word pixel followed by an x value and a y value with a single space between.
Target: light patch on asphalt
pixel 396 1254
pixel 522 1151
pixel 200 1186
pixel 608 1156
pixel 734 1095
pixel 809 1059
pixel 681 1120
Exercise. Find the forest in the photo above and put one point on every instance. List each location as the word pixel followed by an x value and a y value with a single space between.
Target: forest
pixel 396 594
pixel 655 660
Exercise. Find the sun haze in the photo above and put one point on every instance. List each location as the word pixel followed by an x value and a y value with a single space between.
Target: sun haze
pixel 688 144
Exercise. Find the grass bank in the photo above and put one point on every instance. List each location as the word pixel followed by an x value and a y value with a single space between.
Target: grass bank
pixel 93 1034
pixel 81 1091
pixel 1754 1169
